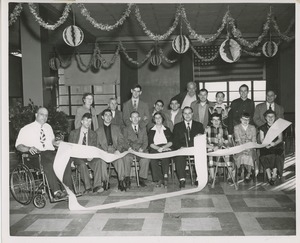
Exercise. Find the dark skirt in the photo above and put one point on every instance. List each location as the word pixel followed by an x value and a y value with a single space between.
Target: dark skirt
pixel 271 161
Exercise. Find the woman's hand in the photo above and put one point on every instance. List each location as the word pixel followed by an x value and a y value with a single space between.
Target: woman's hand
pixel 160 149
pixel 166 149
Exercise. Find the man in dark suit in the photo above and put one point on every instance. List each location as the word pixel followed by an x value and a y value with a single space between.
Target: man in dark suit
pixel 111 140
pixel 270 104
pixel 88 137
pixel 174 115
pixel 187 97
pixel 136 104
pixel 183 136
pixel 117 116
pixel 136 139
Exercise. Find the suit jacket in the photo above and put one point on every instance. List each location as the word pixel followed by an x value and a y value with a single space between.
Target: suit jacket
pixel 131 140
pixel 261 108
pixel 180 133
pixel 181 96
pixel 91 137
pixel 117 137
pixel 195 106
pixel 117 120
pixel 178 118
pixel 142 109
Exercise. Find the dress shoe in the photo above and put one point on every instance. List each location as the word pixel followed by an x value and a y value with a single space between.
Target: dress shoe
pixel 87 191
pixel 159 183
pixel 60 195
pixel 142 182
pixel 106 185
pixel 271 182
pixel 182 184
pixel 122 185
pixel 98 189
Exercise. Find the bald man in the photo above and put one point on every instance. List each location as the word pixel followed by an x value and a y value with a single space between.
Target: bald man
pixel 38 138
pixel 187 97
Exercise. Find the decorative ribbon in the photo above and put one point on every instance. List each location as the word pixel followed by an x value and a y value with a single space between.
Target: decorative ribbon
pixel 67 150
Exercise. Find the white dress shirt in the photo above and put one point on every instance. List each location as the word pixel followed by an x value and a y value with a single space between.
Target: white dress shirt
pixel 82 131
pixel 30 134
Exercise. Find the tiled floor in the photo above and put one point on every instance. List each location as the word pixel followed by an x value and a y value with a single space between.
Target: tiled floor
pixel 256 209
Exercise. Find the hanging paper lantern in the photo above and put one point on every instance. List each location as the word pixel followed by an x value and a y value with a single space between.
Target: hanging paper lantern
pixel 181 44
pixel 230 51
pixel 97 63
pixel 269 49
pixel 73 35
pixel 54 63
pixel 156 60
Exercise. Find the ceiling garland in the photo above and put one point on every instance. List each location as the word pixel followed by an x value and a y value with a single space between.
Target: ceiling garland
pixel 228 22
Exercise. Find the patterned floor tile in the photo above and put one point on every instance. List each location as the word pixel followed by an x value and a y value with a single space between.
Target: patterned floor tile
pixel 271 223
pixel 200 203
pixel 101 224
pixel 259 203
pixel 200 224
pixel 49 225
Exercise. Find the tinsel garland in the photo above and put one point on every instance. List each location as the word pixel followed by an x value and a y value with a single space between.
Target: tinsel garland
pixel 101 26
pixel 161 53
pixel 106 64
pixel 238 34
pixel 15 14
pixel 82 66
pixel 255 54
pixel 204 58
pixel 152 35
pixel 148 55
pixel 200 37
pixel 283 35
pixel 42 23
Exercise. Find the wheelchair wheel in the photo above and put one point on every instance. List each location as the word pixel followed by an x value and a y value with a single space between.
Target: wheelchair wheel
pixel 39 201
pixel 22 184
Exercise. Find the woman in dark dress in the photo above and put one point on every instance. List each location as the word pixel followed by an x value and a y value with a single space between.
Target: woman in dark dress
pixel 271 156
pixel 160 140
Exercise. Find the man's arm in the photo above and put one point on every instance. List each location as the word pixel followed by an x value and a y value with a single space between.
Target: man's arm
pixel 145 140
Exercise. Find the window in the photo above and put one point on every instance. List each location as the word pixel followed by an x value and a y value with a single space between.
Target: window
pixel 257 90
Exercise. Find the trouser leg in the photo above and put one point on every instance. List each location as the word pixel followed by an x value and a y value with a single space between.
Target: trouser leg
pixel 156 170
pixel 119 166
pixel 165 163
pixel 127 164
pixel 84 172
pixel 67 178
pixel 47 159
pixel 95 165
pixel 104 174
pixel 144 168
pixel 180 164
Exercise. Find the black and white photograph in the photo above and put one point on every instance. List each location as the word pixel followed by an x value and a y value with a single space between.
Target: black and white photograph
pixel 149 120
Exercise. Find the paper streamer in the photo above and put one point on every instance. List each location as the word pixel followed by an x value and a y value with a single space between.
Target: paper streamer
pixel 67 150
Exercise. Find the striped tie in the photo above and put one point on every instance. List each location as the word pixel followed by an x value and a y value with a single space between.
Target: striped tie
pixel 84 138
pixel 134 105
pixel 42 137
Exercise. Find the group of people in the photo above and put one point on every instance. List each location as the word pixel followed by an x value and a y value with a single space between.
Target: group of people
pixel 137 128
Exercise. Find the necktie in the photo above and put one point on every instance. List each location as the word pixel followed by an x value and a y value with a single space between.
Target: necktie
pixel 270 107
pixel 92 125
pixel 136 131
pixel 42 137
pixel 188 131
pixel 84 138
pixel 134 105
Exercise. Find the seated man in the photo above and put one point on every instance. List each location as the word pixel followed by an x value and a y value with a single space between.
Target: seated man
pixel 183 136
pixel 136 139
pixel 38 137
pixel 217 137
pixel 117 116
pixel 88 137
pixel 111 140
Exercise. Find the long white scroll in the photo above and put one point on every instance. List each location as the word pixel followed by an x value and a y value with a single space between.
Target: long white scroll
pixel 67 150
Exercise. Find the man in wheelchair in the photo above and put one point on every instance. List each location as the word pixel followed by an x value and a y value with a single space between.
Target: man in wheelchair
pixel 38 138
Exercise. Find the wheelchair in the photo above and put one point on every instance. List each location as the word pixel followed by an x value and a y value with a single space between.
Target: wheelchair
pixel 28 182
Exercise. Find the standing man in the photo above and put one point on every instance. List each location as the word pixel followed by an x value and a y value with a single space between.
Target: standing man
pixel 270 104
pixel 174 115
pixel 240 106
pixel 183 136
pixel 117 116
pixel 201 108
pixel 38 138
pixel 111 140
pixel 135 104
pixel 136 139
pixel 85 136
pixel 187 97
